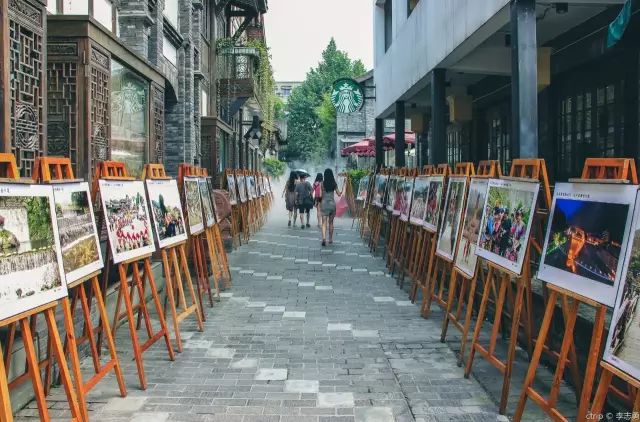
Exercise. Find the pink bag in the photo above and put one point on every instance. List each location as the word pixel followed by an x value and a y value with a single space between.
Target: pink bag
pixel 341 205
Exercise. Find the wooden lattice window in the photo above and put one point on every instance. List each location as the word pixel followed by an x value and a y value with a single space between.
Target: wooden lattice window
pixel 62 111
pixel 26 66
pixel 157 103
pixel 100 111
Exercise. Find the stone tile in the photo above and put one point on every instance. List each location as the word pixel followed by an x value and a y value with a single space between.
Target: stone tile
pixel 404 303
pixel 244 364
pixel 124 404
pixel 274 309
pixel 324 287
pixel 294 314
pixel 301 386
pixel 306 284
pixel 266 374
pixel 335 400
pixel 226 294
pixel 150 417
pixel 383 299
pixel 220 353
pixel 365 333
pixel 338 327
pixel 374 414
pixel 256 305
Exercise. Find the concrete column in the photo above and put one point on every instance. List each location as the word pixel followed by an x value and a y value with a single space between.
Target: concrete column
pixel 524 80
pixel 438 146
pixel 379 149
pixel 423 142
pixel 400 142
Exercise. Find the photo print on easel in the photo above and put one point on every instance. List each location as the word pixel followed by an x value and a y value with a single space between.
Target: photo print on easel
pixel 124 204
pixel 391 192
pixel 466 257
pixel 251 187
pixel 207 206
pixel 212 195
pixel 363 188
pixel 407 195
pixel 586 238
pixel 380 190
pixel 79 242
pixel 31 271
pixel 451 218
pixel 194 205
pixel 623 341
pixel 434 203
pixel 419 200
pixel 242 188
pixel 166 210
pixel 232 189
pixel 506 222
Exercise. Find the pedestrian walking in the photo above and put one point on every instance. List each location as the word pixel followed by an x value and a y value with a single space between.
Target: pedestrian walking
pixel 304 200
pixel 289 195
pixel 317 197
pixel 328 205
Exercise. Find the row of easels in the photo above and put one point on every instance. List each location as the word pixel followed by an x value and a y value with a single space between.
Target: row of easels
pixel 510 296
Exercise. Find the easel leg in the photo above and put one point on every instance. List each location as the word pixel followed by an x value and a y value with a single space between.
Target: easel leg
pixel 592 363
pixel 185 268
pixel 172 301
pixel 33 368
pixel 515 325
pixel 70 340
pixel 62 360
pixel 5 403
pixel 467 320
pixel 156 300
pixel 479 322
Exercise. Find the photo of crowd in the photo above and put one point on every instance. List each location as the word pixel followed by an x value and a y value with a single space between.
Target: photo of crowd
pixel 434 203
pixel 194 204
pixel 506 221
pixel 79 241
pixel 451 218
pixel 466 258
pixel 166 210
pixel 127 218
pixel 419 200
pixel 31 271
pixel 232 189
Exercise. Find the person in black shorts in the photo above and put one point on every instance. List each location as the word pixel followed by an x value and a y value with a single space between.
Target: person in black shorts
pixel 304 201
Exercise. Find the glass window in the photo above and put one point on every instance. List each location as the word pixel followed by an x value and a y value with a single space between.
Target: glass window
pixel 129 118
pixel 52 6
pixel 411 4
pixel 171 12
pixel 388 24
pixel 103 13
pixel 170 51
pixel 204 102
pixel 75 7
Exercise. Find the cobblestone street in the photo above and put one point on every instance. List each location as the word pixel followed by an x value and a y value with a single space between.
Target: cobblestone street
pixel 303 335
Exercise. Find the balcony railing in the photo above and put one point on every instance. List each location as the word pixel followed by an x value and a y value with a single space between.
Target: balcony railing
pixel 238 80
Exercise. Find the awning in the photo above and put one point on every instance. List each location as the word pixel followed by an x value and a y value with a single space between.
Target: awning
pixel 409 138
pixel 367 147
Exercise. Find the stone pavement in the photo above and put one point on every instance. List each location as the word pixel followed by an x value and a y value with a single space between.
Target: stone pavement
pixel 305 334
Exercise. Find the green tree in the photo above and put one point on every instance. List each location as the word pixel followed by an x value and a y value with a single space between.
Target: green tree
pixel 312 120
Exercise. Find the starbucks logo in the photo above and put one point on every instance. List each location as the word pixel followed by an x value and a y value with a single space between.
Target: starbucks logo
pixel 347 96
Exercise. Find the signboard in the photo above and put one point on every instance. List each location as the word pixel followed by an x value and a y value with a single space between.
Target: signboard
pixel 347 96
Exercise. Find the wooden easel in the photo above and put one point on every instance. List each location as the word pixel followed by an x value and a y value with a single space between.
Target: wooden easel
pixel 114 170
pixel 377 217
pixel 394 225
pixel 521 170
pixel 428 248
pixel 466 284
pixel 176 272
pixel 26 320
pixel 196 245
pixel 404 233
pixel 244 206
pixel 595 169
pixel 235 210
pixel 59 170
pixel 443 266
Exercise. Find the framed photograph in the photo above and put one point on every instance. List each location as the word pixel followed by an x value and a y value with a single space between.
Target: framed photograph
pixel 207 206
pixel 194 205
pixel 419 200
pixel 77 232
pixel 363 189
pixel 31 272
pixel 380 189
pixel 212 195
pixel 232 189
pixel 434 203
pixel 259 186
pixel 623 340
pixel 251 186
pixel 341 181
pixel 406 192
pixel 451 217
pixel 166 210
pixel 242 188
pixel 391 192
pixel 506 222
pixel 587 238
pixel 466 258
pixel 269 188
pixel 124 204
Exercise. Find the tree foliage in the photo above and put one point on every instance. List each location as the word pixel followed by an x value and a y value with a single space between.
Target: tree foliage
pixel 312 118
pixel 274 167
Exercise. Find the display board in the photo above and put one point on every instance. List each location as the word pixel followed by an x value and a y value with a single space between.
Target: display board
pixel 419 200
pixel 212 195
pixel 193 204
pixel 363 188
pixel 207 206
pixel 452 214
pixel 434 203
pixel 78 235
pixel 166 210
pixel 124 204
pixel 31 269
pixel 390 201
pixel 623 342
pixel 242 188
pixel 251 187
pixel 466 257
pixel 407 196
pixel 381 182
pixel 506 222
pixel 232 189
pixel 587 238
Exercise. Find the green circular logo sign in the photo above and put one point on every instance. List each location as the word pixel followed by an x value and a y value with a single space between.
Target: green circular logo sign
pixel 347 95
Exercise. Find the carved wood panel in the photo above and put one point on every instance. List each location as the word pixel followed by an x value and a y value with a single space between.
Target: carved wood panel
pixel 157 113
pixel 27 83
pixel 62 111
pixel 100 119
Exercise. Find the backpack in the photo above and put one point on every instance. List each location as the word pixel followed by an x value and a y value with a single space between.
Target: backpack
pixel 316 190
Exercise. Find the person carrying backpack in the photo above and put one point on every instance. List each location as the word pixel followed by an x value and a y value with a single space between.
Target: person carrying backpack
pixel 317 196
pixel 304 200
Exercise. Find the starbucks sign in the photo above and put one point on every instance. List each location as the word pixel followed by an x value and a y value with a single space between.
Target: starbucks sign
pixel 347 95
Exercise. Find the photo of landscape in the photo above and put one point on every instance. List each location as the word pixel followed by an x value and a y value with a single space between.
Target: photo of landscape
pixel 79 240
pixel 166 209
pixel 31 272
pixel 194 205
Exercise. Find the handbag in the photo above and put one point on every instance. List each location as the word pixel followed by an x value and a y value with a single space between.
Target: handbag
pixel 307 202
